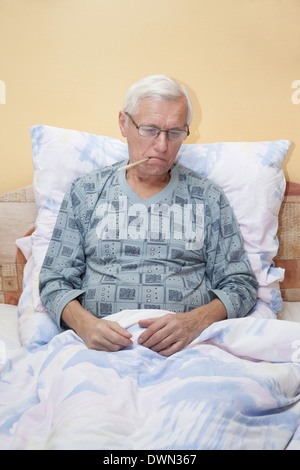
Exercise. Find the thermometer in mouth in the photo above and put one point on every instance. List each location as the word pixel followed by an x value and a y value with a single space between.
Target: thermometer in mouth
pixel 133 164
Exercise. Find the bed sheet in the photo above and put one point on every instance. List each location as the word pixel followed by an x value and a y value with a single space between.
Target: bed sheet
pixel 237 386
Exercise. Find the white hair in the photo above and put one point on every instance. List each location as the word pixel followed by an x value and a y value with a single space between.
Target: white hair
pixel 159 87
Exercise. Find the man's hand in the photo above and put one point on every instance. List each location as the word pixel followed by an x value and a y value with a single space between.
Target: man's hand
pixel 99 334
pixel 172 332
pixel 105 335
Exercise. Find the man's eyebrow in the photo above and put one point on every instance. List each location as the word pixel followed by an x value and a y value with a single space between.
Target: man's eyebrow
pixel 170 129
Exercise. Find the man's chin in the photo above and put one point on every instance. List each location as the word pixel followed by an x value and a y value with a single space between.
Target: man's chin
pixel 156 163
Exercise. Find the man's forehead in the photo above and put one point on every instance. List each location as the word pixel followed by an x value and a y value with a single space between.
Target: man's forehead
pixel 172 110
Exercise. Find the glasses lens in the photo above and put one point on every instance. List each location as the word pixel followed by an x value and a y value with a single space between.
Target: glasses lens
pixel 148 131
pixel 177 135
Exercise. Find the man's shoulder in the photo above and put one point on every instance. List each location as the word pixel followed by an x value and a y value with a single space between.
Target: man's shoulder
pixel 92 180
pixel 194 178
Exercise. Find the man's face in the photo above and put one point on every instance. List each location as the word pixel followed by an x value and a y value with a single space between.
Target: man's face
pixel 162 153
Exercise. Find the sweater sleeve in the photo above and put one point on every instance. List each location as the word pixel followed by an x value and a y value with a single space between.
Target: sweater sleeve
pixel 64 263
pixel 228 268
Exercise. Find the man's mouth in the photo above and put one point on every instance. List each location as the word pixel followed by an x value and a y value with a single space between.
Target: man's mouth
pixel 156 158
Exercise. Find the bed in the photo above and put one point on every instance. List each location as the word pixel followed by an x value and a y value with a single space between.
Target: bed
pixel 237 386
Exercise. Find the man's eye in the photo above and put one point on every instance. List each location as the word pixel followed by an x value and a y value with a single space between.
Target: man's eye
pixel 174 133
pixel 151 130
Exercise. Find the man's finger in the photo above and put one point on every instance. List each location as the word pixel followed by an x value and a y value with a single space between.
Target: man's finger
pixel 120 330
pixel 146 322
pixel 152 325
pixel 114 337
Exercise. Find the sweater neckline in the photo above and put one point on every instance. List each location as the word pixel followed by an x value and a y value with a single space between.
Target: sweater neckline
pixel 163 194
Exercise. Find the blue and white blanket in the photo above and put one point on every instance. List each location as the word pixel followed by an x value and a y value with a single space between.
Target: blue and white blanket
pixel 237 386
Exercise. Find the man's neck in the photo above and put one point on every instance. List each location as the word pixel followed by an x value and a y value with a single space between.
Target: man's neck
pixel 147 186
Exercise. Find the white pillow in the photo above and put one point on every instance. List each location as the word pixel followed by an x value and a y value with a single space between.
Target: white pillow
pixel 250 174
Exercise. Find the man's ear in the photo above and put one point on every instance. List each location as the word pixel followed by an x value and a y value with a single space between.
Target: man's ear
pixel 123 123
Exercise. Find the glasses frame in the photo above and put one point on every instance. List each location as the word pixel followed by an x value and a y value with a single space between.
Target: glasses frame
pixel 158 130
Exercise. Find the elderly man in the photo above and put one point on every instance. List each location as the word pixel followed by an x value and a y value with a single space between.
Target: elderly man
pixel 153 235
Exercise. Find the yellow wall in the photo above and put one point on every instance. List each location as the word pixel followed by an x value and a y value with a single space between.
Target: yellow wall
pixel 68 63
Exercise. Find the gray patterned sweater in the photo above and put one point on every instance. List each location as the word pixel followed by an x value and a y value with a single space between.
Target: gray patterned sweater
pixel 175 251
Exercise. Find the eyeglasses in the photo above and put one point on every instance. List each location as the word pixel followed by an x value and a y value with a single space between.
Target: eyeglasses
pixel 151 132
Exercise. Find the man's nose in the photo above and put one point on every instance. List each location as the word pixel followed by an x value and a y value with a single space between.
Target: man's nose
pixel 161 141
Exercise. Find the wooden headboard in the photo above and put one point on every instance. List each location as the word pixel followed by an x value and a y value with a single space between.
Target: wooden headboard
pixel 288 256
pixel 17 218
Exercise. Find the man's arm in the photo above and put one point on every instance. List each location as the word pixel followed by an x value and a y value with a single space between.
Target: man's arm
pixel 228 271
pixel 64 263
pixel 61 284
